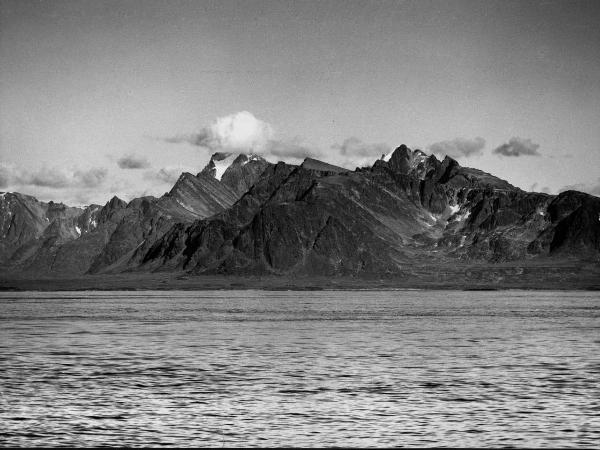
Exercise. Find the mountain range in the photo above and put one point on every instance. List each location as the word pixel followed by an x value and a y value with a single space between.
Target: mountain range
pixel 242 216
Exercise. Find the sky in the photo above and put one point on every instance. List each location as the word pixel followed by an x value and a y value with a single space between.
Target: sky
pixel 101 98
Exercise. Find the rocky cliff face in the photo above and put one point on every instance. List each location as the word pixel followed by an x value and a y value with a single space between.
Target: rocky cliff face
pixel 197 196
pixel 243 215
pixel 237 172
pixel 411 209
pixel 53 239
pixel 192 197
pixel 24 219
pixel 480 217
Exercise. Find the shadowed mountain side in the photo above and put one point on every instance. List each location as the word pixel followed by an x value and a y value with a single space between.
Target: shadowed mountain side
pixel 53 239
pixel 320 166
pixel 105 239
pixel 486 218
pixel 410 209
pixel 26 224
pixel 62 253
pixel 238 173
pixel 243 173
pixel 194 197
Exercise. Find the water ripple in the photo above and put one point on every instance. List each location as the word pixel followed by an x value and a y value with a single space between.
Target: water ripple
pixel 251 368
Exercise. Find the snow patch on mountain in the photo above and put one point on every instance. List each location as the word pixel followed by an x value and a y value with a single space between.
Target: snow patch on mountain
pixel 463 216
pixel 418 157
pixel 222 165
pixel 184 205
pixel 454 209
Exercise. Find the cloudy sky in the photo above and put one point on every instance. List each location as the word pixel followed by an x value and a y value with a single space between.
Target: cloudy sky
pixel 118 97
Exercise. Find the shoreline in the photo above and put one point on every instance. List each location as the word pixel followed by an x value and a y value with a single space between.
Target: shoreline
pixel 163 282
pixel 540 274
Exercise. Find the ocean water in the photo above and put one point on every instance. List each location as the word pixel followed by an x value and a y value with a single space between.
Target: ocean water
pixel 325 368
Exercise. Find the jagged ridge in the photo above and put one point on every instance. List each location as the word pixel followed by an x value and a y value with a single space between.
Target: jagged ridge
pixel 253 217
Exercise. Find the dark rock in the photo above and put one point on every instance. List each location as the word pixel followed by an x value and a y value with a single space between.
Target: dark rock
pixel 312 219
pixel 322 167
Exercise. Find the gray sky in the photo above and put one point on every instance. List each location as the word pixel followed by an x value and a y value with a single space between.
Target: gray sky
pixel 118 97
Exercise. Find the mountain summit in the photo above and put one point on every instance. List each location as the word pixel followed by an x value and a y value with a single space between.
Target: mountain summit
pixel 236 171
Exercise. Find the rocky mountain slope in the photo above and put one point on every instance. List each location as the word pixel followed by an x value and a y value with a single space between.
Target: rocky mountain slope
pixel 244 216
pixel 237 172
pixel 412 209
pixel 52 239
pixel 24 219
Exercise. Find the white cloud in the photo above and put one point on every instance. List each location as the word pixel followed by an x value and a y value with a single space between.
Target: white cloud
pixel 52 177
pixel 295 148
pixel 458 148
pixel 167 175
pixel 591 188
pixel 133 162
pixel 535 187
pixel 240 132
pixel 354 147
pixel 72 185
pixel 90 178
pixel 354 152
pixel 517 146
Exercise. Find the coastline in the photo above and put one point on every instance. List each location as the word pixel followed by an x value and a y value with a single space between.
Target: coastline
pixel 567 275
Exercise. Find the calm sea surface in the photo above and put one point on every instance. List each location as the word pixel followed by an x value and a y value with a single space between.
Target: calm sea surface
pixel 235 368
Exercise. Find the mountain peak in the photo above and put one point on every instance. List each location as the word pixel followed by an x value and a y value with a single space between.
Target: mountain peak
pixel 405 161
pixel 116 203
pixel 315 164
pixel 219 163
pixel 243 172
pixel 236 170
pixel 184 176
pixel 219 156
